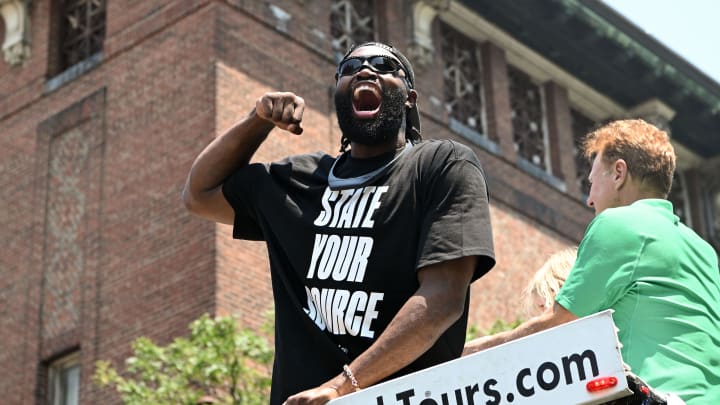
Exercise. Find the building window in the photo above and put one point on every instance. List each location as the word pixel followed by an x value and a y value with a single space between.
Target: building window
pixel 64 381
pixel 462 79
pixel 528 118
pixel 581 126
pixel 679 198
pixel 79 32
pixel 351 22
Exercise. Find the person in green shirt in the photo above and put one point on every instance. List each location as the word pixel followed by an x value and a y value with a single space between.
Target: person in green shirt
pixel 636 257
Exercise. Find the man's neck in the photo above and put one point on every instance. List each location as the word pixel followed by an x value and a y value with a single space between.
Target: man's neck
pixel 360 151
pixel 633 192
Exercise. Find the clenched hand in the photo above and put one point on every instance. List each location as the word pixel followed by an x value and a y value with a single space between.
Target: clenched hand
pixel 283 109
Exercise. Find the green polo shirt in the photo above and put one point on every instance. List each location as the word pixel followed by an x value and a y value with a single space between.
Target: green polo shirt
pixel 663 282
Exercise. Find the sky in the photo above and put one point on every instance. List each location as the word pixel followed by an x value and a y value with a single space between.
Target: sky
pixel 690 28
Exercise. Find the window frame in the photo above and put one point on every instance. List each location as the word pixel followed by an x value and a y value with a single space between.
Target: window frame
pixel 57 369
pixel 59 70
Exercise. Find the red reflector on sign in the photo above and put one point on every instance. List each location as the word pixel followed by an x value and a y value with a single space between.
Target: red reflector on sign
pixel 601 383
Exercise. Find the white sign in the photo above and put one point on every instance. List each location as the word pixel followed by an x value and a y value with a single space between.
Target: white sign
pixel 550 367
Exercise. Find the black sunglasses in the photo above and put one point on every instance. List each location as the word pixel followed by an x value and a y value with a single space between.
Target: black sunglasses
pixel 377 63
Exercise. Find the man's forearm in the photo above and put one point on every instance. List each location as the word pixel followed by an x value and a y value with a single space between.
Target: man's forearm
pixel 486 342
pixel 233 149
pixel 557 316
pixel 202 194
pixel 437 304
pixel 226 153
pixel 411 334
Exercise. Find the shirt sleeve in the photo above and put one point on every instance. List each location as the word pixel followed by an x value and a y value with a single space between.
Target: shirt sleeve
pixel 604 270
pixel 240 191
pixel 456 219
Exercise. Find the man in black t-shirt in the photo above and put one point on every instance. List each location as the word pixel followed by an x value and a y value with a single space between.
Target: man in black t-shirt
pixel 371 252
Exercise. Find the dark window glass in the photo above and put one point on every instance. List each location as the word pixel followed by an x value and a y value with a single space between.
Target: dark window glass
pixel 462 79
pixel 678 197
pixel 351 22
pixel 581 126
pixel 526 110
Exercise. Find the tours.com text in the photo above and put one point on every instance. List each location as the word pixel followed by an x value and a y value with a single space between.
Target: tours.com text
pixel 548 376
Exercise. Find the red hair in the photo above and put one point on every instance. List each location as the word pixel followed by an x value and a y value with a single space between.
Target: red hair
pixel 645 149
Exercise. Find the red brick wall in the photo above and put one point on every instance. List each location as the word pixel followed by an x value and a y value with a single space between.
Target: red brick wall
pixel 97 248
pixel 128 260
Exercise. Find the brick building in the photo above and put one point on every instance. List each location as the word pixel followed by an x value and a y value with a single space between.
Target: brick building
pixel 105 103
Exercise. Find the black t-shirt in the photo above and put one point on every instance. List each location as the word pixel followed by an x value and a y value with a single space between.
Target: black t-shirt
pixel 344 262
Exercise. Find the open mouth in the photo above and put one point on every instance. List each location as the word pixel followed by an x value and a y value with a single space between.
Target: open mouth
pixel 366 101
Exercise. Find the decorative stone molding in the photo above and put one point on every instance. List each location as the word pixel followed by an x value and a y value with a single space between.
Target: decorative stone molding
pixel 709 170
pixel 421 55
pixel 655 112
pixel 281 18
pixel 15 14
pixel 421 50
pixel 440 5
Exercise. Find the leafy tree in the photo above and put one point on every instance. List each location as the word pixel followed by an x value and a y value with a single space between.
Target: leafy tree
pixel 498 326
pixel 217 359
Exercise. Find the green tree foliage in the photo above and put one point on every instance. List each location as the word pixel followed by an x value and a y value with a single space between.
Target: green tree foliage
pixel 217 359
pixel 498 326
pixel 501 326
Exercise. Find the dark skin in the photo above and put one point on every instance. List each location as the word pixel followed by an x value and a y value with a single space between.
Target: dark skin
pixel 440 298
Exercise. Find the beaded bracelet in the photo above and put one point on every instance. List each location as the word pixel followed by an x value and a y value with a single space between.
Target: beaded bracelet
pixel 353 381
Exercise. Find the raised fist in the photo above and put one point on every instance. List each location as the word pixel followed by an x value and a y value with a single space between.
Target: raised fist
pixel 283 109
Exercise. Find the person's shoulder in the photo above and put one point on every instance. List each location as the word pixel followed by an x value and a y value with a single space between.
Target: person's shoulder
pixel 622 220
pixel 447 149
pixel 446 146
pixel 303 159
pixel 307 163
pixel 638 213
pixel 613 216
pixel 699 244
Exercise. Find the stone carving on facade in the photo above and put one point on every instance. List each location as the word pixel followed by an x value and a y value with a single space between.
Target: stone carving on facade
pixel 281 18
pixel 15 15
pixel 440 5
pixel 421 50
pixel 67 206
pixel 655 112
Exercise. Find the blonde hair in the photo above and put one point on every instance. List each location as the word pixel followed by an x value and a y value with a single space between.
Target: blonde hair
pixel 549 278
pixel 645 149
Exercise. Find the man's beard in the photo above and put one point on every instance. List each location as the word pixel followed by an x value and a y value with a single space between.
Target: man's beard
pixel 383 127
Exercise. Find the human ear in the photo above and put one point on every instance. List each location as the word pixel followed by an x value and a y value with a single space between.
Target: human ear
pixel 620 173
pixel 411 98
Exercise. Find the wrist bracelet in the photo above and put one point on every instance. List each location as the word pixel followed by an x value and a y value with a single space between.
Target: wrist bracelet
pixel 353 381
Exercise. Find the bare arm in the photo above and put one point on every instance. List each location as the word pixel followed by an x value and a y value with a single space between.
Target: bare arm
pixel 435 306
pixel 233 149
pixel 557 316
